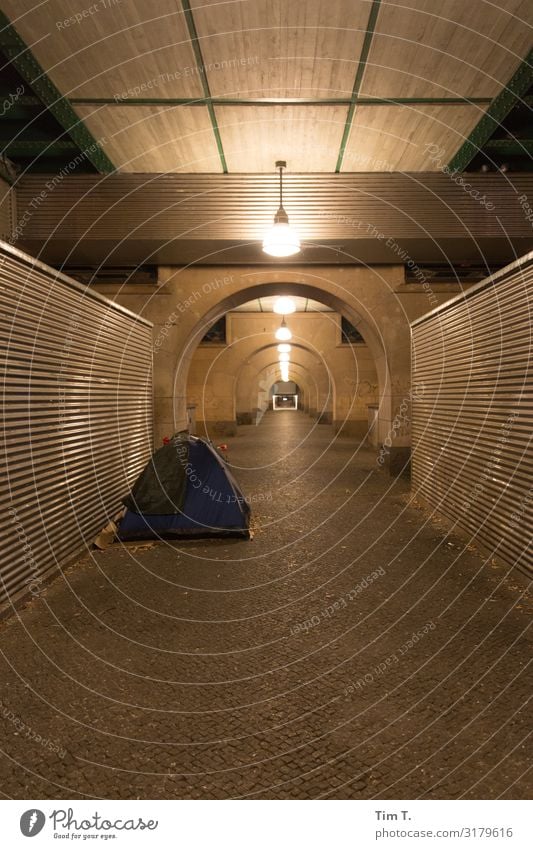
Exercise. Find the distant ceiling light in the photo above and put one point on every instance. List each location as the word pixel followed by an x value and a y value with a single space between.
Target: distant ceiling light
pixel 284 371
pixel 284 358
pixel 284 348
pixel 284 306
pixel 283 334
pixel 281 240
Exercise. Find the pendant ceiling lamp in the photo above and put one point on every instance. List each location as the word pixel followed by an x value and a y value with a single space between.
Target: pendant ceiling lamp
pixel 283 334
pixel 284 306
pixel 281 240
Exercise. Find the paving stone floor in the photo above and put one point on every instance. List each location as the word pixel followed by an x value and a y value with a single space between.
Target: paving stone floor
pixel 284 667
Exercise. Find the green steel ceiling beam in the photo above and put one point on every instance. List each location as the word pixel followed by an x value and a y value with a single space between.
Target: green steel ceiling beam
pixel 279 101
pixel 369 34
pixel 23 60
pixel 509 147
pixel 498 110
pixel 205 85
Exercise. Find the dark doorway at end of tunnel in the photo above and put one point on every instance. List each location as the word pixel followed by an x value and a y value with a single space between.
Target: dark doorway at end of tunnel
pixel 284 395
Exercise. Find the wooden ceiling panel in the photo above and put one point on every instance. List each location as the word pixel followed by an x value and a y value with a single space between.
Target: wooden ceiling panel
pixel 308 137
pixel 399 138
pixel 154 138
pixel 119 46
pixel 453 48
pixel 276 48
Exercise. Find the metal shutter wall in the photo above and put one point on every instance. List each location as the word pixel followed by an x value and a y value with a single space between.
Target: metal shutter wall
pixel 77 416
pixel 239 206
pixel 7 210
pixel 473 412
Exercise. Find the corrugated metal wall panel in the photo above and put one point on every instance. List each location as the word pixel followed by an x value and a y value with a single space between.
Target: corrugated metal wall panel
pixel 240 206
pixel 77 416
pixel 7 210
pixel 473 412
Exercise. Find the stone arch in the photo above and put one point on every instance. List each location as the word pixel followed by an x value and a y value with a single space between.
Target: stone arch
pixel 303 379
pixel 215 373
pixel 253 368
pixel 249 373
pixel 365 296
pixel 312 373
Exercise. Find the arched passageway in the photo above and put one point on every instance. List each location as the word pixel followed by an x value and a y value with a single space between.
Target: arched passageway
pixel 347 305
pixel 368 311
pixel 226 384
pixel 358 646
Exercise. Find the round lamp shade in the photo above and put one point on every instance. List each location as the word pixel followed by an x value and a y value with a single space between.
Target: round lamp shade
pixel 283 334
pixel 281 240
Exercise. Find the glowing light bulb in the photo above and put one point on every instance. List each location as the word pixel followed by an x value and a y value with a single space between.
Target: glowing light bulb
pixel 283 334
pixel 284 306
pixel 281 240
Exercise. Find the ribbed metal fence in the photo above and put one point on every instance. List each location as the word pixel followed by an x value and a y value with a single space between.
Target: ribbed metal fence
pixel 7 210
pixel 473 412
pixel 76 416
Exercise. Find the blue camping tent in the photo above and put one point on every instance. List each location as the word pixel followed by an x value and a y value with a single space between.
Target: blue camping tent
pixel 186 489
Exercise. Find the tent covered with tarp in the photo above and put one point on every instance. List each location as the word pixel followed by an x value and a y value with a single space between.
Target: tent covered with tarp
pixel 185 489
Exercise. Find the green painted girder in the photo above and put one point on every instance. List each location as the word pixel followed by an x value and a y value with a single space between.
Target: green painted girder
pixel 25 63
pixel 498 110
pixel 365 50
pixel 195 42
pixel 7 39
pixel 279 101
pixel 509 147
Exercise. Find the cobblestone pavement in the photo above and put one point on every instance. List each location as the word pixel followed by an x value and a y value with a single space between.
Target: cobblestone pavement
pixel 351 650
